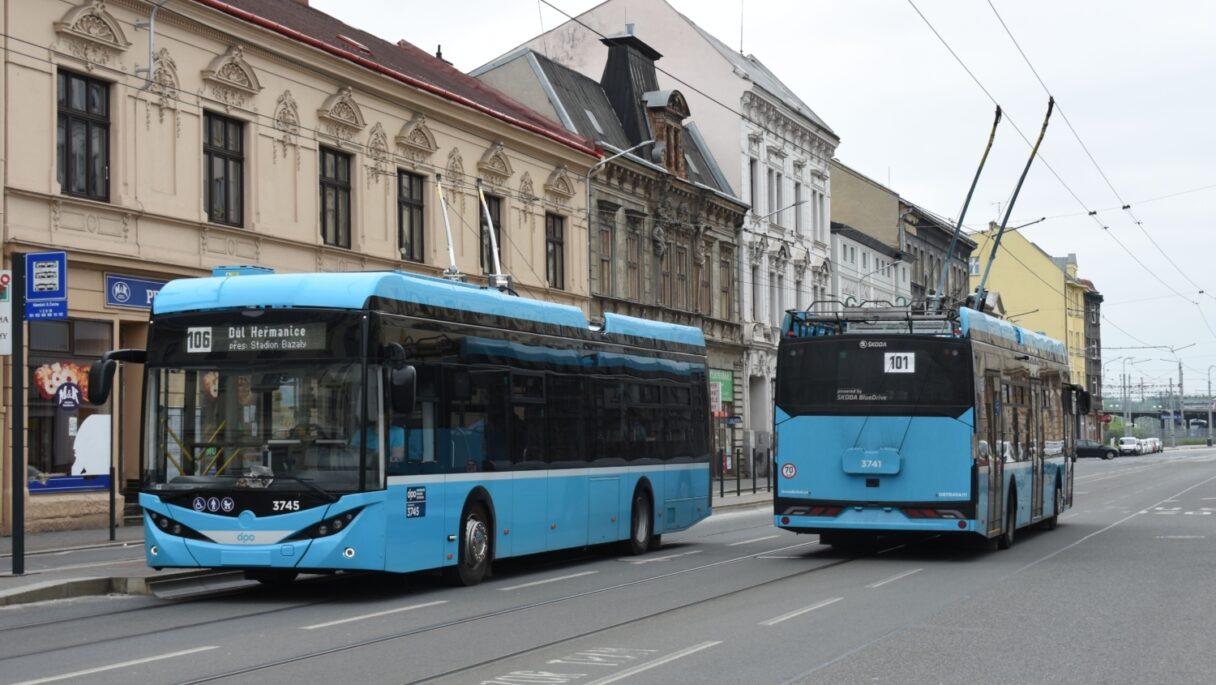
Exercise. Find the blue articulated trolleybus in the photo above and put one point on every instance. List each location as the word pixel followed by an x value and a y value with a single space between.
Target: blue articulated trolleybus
pixel 892 422
pixel 395 422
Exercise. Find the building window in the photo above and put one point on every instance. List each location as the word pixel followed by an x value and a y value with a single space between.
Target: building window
pixel 555 250
pixel 753 181
pixel 62 441
pixel 974 264
pixel 494 204
pixel 83 137
pixel 633 258
pixel 798 209
pixel 224 168
pixel 680 297
pixel 756 313
pixel 704 304
pixel 606 233
pixel 665 277
pixel 409 216
pixel 335 198
pixel 774 197
pixel 725 286
pixel 774 300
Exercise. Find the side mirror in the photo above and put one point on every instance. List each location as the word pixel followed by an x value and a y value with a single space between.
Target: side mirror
pixel 101 380
pixel 402 388
pixel 101 372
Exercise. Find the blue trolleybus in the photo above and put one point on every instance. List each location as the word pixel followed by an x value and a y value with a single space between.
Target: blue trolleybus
pixel 395 422
pixel 892 422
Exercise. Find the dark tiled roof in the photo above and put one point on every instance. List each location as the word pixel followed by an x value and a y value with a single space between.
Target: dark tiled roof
pixel 402 61
pixel 579 95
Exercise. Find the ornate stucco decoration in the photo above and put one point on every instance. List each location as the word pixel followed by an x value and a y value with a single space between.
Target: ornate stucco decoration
pixel 231 80
pixel 800 268
pixel 416 140
pixel 164 85
pixel 780 257
pixel 756 248
pixel 495 166
pixel 341 117
pixel 92 34
pixel 453 177
pixel 526 191
pixel 287 122
pixel 378 154
pixel 559 186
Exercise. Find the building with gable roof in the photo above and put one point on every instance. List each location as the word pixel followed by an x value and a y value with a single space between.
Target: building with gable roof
pixel 246 132
pixel 773 149
pixel 664 220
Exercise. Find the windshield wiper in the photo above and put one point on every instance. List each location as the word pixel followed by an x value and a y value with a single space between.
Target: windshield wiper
pixel 306 482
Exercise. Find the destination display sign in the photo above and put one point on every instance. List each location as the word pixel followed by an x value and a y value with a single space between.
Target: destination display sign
pixel 279 337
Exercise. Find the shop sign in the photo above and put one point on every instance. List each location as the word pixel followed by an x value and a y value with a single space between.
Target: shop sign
pixel 726 378
pixel 131 292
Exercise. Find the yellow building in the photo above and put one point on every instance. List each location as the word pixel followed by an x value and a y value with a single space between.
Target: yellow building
pixel 1040 292
pixel 263 133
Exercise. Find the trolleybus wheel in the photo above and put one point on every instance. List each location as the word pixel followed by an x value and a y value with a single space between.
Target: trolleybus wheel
pixel 474 562
pixel 1005 541
pixel 641 534
pixel 1053 522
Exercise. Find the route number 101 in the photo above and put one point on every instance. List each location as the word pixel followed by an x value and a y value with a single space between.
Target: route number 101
pixel 899 362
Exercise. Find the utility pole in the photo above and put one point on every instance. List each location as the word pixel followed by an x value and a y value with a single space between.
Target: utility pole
pixel 1169 408
pixel 1210 400
pixel 1186 428
pixel 1126 413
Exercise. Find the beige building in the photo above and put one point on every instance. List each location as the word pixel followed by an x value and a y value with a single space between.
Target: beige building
pixel 268 133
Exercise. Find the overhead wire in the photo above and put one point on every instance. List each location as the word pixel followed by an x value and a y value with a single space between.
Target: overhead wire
pixel 1124 205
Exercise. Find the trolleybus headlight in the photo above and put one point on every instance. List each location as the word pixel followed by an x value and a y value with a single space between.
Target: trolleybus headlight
pixel 174 528
pixel 329 526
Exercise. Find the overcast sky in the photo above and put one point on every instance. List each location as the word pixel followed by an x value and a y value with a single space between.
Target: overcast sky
pixel 1135 79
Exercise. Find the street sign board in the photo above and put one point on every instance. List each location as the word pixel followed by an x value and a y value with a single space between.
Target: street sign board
pixel 46 285
pixel 6 313
pixel 131 292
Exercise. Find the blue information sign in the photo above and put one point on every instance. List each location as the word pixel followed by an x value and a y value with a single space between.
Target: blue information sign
pixel 46 285
pixel 131 292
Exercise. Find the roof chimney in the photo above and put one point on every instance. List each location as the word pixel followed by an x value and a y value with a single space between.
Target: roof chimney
pixel 439 54
pixel 628 73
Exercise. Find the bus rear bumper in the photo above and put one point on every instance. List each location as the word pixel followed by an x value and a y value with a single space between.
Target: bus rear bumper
pixel 877 521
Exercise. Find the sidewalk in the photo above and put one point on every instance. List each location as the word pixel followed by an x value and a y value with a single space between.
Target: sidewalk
pixel 51 574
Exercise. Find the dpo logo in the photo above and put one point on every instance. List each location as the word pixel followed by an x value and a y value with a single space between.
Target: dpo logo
pixel 246 538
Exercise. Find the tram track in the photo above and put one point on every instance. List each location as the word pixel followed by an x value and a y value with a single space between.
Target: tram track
pixel 421 630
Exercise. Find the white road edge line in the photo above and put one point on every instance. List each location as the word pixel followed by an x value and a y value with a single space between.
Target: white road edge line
pixel 748 542
pixel 629 672
pixel 546 580
pixel 798 612
pixel 111 667
pixel 894 578
pixel 374 615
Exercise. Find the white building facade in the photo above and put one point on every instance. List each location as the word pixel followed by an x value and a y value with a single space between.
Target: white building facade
pixel 783 150
pixel 866 271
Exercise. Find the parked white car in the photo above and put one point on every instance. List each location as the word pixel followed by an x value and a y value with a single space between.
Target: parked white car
pixel 1155 445
pixel 1130 445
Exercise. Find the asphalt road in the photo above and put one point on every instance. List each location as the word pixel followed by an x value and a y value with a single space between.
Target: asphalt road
pixel 1120 593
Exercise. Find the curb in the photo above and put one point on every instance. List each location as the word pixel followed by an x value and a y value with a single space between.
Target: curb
pixel 77 548
pixel 93 586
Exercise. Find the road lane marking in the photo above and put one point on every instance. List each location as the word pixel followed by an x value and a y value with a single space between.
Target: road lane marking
pixel 748 542
pixel 373 615
pixel 894 578
pixel 111 667
pixel 798 612
pixel 546 580
pixel 779 557
pixel 1181 537
pixel 638 562
pixel 632 671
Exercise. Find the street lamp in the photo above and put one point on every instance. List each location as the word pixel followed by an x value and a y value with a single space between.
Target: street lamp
pixel 898 259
